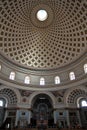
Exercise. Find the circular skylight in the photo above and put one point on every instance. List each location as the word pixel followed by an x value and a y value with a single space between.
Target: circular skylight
pixel 42 15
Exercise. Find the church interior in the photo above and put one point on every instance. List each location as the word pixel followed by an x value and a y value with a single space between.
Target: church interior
pixel 43 64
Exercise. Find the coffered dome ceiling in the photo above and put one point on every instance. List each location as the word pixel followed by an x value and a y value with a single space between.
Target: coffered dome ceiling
pixel 57 41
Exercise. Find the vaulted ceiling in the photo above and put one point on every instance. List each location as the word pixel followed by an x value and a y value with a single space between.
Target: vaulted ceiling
pixel 57 41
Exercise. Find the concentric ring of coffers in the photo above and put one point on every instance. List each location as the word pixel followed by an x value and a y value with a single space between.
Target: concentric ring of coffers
pixel 56 42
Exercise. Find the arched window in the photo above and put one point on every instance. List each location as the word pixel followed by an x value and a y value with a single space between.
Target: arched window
pixel 84 103
pixel 42 81
pixel 85 68
pixel 0 67
pixel 57 80
pixel 2 110
pixel 12 76
pixel 1 103
pixel 27 80
pixel 72 76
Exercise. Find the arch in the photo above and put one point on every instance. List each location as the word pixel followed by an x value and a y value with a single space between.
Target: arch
pixel 15 91
pixel 81 92
pixel 80 99
pixel 51 96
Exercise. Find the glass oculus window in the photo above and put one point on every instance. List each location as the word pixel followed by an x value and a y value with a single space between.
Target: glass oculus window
pixel 42 15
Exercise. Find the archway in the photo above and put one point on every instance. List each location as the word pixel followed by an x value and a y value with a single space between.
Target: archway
pixel 42 110
pixel 82 104
pixel 2 110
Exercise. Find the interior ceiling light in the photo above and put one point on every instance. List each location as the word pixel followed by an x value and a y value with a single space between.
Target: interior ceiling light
pixel 42 15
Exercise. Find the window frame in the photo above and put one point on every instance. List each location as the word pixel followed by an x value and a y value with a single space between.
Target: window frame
pixel 42 81
pixel 12 75
pixel 27 80
pixel 57 80
pixel 85 68
pixel 72 75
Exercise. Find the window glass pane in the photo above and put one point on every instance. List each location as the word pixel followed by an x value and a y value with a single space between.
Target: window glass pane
pixel 57 80
pixel 84 103
pixel 27 80
pixel 0 67
pixel 85 68
pixel 72 76
pixel 12 75
pixel 42 81
pixel 1 103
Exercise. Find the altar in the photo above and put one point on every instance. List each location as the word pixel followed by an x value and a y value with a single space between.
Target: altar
pixel 42 124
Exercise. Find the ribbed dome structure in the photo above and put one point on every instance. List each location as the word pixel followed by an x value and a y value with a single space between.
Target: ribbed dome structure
pixel 55 42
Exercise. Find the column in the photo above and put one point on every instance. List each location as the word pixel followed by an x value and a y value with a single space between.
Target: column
pixel 29 117
pixel 17 117
pixel 67 117
pixel 78 115
pixel 55 118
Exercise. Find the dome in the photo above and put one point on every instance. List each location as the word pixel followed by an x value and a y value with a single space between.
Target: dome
pixel 43 64
pixel 57 41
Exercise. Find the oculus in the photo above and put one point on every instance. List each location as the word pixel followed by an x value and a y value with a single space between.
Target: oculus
pixel 42 15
